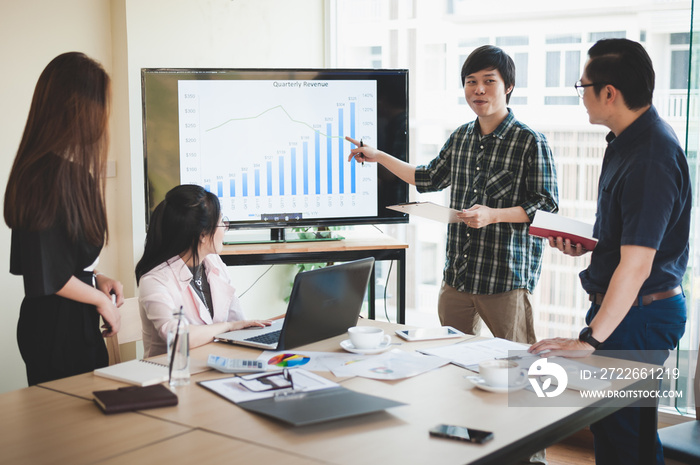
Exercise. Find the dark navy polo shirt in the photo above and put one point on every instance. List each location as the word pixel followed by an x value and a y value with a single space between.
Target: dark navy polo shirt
pixel 644 199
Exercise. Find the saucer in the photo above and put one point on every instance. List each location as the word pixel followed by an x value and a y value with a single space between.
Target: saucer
pixel 479 382
pixel 347 345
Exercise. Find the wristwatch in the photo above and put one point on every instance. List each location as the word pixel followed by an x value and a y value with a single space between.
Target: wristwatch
pixel 586 335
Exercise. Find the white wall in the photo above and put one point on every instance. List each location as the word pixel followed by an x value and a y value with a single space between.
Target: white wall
pixel 127 35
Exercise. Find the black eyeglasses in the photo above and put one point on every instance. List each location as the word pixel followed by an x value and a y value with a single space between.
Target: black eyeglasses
pixel 580 87
pixel 277 381
pixel 226 224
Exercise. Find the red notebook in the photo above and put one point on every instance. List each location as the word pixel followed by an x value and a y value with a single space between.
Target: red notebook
pixel 131 398
pixel 547 224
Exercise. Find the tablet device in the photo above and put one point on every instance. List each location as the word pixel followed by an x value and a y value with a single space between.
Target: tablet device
pixel 424 334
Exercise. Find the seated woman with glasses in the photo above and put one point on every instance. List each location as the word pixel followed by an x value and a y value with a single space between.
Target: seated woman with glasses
pixel 180 267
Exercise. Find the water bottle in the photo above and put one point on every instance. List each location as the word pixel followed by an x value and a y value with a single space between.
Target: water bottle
pixel 179 350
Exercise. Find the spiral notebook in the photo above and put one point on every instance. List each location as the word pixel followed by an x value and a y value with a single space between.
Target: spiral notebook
pixel 138 372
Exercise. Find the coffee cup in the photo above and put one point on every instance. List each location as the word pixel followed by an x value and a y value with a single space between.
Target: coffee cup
pixel 368 337
pixel 502 373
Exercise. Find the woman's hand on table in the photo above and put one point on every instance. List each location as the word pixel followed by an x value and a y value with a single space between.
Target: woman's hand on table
pixel 234 325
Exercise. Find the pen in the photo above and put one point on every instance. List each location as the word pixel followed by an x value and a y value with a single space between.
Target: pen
pixel 363 157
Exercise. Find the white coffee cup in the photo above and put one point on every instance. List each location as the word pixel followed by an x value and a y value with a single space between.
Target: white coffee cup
pixel 502 373
pixel 368 337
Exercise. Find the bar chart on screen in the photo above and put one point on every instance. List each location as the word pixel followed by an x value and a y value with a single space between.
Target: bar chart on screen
pixel 267 147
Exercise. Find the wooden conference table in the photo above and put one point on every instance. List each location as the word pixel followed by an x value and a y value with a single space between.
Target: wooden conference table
pixel 57 422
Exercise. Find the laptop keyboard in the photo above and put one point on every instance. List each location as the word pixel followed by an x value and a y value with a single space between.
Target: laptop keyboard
pixel 268 338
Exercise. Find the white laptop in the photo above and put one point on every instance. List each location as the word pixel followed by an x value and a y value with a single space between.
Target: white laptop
pixel 324 303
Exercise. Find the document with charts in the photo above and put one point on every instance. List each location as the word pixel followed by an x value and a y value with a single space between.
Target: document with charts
pixel 396 364
pixel 468 354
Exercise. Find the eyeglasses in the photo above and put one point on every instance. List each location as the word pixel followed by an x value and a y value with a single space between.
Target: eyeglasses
pixel 580 87
pixel 277 381
pixel 226 224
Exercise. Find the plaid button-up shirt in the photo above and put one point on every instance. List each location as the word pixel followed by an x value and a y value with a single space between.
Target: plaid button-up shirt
pixel 513 166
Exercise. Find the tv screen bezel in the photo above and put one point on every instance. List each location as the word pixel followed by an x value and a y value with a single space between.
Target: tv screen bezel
pixel 384 215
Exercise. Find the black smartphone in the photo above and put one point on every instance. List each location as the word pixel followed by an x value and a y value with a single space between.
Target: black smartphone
pixel 461 433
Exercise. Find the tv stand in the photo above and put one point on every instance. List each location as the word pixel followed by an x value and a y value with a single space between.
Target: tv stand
pixel 277 235
pixel 355 245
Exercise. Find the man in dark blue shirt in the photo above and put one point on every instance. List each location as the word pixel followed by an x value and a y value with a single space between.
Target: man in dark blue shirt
pixel 642 226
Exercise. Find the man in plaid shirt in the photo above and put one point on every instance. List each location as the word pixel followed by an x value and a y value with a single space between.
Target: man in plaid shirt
pixel 500 172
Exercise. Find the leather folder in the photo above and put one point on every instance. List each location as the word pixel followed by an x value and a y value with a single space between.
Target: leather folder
pixel 127 399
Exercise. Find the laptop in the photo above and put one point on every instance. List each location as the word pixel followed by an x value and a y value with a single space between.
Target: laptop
pixel 324 303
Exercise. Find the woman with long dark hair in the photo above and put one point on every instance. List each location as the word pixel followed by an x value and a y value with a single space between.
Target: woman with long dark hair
pixel 181 267
pixel 55 206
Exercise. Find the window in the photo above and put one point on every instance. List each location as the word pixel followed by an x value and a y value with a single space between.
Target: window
pixel 594 37
pixel 680 65
pixel 563 39
pixel 433 69
pixel 508 41
pixel 553 69
pixel 680 60
pixel 561 101
pixel 549 53
pixel 563 68
pixel 563 63
pixel 520 60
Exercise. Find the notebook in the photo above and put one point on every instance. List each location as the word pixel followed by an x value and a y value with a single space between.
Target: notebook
pixel 138 372
pixel 546 224
pixel 324 303
pixel 131 398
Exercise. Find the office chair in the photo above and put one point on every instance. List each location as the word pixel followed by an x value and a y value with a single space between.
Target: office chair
pixel 130 330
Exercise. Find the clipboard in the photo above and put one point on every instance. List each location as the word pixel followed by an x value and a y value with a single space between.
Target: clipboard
pixel 308 408
pixel 324 401
pixel 428 210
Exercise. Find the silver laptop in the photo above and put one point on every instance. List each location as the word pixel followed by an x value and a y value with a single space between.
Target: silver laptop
pixel 324 303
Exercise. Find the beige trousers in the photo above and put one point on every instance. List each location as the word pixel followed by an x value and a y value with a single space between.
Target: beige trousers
pixel 508 315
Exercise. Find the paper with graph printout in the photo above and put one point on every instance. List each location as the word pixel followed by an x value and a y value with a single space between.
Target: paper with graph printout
pixel 470 353
pixel 309 360
pixel 237 389
pixel 395 364
pixel 547 224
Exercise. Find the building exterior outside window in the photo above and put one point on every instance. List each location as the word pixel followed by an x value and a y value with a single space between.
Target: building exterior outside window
pixel 549 42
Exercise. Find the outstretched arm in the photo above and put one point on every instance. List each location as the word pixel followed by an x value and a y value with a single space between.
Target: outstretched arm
pixel 404 171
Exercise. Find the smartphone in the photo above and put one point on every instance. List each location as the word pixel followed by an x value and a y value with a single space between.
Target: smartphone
pixel 461 433
pixel 424 334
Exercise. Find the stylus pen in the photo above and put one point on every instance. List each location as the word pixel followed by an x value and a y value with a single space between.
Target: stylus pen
pixel 363 157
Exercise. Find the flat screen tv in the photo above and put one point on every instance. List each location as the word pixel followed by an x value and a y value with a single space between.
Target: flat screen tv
pixel 270 143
